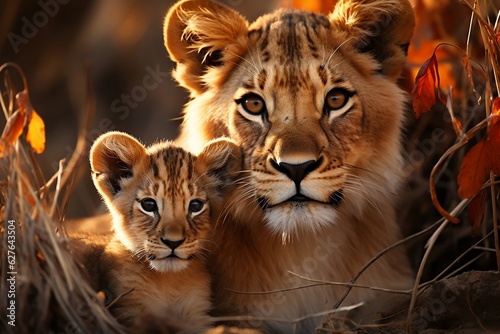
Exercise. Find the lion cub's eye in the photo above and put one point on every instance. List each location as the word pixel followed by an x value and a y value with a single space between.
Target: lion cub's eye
pixel 252 104
pixel 149 205
pixel 337 102
pixel 195 206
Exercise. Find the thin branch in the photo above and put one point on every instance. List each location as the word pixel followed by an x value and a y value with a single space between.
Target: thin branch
pixel 79 153
pixel 494 216
pixel 382 253
pixel 322 282
pixel 437 167
pixel 284 320
pixel 430 245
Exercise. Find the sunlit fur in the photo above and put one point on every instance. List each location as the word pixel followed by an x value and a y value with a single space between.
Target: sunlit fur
pixel 161 281
pixel 292 59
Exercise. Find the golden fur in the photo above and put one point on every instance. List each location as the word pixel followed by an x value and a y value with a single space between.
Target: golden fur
pixel 163 201
pixel 313 101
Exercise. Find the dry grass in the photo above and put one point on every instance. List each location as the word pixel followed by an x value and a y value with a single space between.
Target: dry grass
pixel 50 294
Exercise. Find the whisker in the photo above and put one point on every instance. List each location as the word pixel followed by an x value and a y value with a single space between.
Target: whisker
pixel 336 49
pixel 247 61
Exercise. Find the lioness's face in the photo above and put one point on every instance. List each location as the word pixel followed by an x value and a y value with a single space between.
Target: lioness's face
pixel 311 100
pixel 309 115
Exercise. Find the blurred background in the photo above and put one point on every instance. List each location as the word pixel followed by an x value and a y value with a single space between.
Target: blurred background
pixel 121 43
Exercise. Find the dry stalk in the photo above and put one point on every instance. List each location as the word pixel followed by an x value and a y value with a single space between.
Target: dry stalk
pixel 494 216
pixel 429 246
pixel 379 255
pixel 51 294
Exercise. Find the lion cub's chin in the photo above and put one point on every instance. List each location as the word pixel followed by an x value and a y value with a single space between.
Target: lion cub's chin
pixel 169 264
pixel 288 219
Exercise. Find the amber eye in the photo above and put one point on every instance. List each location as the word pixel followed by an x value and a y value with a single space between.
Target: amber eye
pixel 195 206
pixel 253 104
pixel 149 205
pixel 336 99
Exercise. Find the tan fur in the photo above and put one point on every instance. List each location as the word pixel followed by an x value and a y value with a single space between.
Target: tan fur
pixel 158 290
pixel 292 60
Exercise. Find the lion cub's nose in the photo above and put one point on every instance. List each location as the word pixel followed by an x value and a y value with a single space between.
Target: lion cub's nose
pixel 172 244
pixel 296 172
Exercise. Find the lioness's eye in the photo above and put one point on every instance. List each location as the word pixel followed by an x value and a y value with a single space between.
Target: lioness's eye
pixel 195 206
pixel 149 205
pixel 336 99
pixel 252 104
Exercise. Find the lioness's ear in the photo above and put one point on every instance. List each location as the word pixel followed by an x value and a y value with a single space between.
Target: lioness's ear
pixel 112 158
pixel 380 27
pixel 222 157
pixel 202 36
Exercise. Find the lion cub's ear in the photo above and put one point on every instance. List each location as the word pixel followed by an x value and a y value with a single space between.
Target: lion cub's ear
pixel 112 158
pixel 382 28
pixel 202 36
pixel 223 159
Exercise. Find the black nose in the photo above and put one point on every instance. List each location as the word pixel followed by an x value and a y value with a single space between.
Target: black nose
pixel 172 244
pixel 296 172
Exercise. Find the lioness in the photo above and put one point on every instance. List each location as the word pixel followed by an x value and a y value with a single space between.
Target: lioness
pixel 314 103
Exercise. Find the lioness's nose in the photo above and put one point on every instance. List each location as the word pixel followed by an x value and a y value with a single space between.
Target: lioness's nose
pixel 172 244
pixel 296 172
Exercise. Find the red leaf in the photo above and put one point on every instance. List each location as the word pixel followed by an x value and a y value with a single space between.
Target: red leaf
pixel 494 146
pixel 474 170
pixel 482 158
pixel 426 84
pixel 475 211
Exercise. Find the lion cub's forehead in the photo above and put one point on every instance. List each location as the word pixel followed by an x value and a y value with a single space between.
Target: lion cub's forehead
pixel 171 166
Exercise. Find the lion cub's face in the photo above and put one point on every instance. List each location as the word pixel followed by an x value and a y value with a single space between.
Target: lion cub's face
pixel 162 198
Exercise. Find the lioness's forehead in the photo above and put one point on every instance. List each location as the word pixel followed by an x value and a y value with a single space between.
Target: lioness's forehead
pixel 289 35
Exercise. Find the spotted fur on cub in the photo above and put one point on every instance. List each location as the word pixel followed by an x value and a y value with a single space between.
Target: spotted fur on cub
pixel 164 202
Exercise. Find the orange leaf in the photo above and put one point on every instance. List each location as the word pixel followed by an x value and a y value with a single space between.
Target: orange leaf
pixel 495 110
pixel 318 6
pixel 424 91
pixel 36 133
pixel 13 129
pixel 475 211
pixel 496 106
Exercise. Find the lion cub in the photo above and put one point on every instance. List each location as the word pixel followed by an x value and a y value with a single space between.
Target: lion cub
pixel 163 201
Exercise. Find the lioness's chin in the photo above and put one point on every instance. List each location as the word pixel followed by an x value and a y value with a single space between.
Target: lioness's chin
pixel 169 264
pixel 292 217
